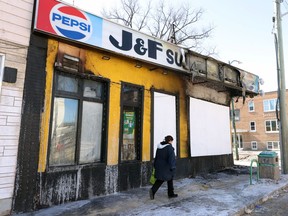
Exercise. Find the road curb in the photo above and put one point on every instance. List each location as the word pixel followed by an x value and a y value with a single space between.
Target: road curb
pixel 250 207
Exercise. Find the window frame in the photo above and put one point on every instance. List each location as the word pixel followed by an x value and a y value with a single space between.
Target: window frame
pixel 272 131
pixel 252 145
pixel 251 126
pixel 2 63
pixel 139 121
pixel 81 98
pixel 249 106
pixel 237 115
pixel 272 142
pixel 239 140
pixel 270 110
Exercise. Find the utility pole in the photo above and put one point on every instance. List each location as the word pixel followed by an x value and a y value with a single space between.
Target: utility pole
pixel 281 89
pixel 235 143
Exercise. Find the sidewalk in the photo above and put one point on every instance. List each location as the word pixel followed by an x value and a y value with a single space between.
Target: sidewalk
pixel 223 193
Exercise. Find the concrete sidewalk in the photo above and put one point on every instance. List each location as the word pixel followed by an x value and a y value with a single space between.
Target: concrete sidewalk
pixel 224 193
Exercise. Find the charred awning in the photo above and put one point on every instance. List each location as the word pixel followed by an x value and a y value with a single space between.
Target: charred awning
pixel 221 76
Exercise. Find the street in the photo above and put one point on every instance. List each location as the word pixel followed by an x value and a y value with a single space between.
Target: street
pixel 277 205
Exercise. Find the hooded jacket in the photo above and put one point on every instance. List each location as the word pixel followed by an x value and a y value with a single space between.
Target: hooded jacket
pixel 165 163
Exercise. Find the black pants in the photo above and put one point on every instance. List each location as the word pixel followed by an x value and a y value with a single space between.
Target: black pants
pixel 158 184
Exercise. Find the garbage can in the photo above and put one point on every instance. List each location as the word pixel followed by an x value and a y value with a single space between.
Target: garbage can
pixel 269 165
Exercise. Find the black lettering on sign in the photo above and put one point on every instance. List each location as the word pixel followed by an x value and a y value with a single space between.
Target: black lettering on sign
pixel 178 61
pixel 153 46
pixel 170 58
pixel 126 41
pixel 139 47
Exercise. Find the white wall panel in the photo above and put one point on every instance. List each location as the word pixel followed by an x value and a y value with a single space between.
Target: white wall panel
pixel 209 128
pixel 164 118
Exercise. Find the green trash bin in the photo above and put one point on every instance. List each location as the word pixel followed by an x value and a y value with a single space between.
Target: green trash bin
pixel 269 165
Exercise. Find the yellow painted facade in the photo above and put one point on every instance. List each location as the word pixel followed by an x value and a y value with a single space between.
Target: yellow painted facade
pixel 119 69
pixel 45 117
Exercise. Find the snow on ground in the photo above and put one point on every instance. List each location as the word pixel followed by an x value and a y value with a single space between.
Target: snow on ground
pixel 224 193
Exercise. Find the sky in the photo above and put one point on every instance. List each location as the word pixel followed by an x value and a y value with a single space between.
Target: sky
pixel 243 32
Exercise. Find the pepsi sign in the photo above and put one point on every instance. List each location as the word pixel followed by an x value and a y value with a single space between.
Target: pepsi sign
pixel 71 23
pixel 64 21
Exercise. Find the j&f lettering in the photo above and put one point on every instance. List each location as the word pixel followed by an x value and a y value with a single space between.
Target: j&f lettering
pixel 141 47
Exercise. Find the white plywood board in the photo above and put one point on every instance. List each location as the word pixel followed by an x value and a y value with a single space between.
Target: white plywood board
pixel 164 118
pixel 209 129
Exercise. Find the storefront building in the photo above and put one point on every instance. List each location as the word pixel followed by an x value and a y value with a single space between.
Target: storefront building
pixel 15 19
pixel 106 96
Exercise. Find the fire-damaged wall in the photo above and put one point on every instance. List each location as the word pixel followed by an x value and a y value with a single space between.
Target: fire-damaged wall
pixel 99 97
pixel 41 185
pixel 61 184
pixel 26 192
pixel 83 183
pixel 208 93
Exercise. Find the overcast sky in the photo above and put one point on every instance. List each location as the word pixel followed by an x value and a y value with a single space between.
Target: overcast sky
pixel 243 32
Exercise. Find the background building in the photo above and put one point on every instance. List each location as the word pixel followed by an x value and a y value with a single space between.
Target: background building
pixel 256 122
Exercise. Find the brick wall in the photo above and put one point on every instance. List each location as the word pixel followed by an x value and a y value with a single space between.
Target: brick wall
pixel 259 117
pixel 15 21
pixel 10 116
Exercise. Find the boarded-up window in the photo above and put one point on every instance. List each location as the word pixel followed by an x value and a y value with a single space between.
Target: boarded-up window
pixel 164 119
pixel 209 128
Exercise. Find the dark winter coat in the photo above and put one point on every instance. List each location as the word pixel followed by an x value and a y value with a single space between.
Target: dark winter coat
pixel 164 163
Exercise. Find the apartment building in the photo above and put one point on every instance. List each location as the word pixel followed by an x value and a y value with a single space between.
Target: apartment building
pixel 15 25
pixel 256 122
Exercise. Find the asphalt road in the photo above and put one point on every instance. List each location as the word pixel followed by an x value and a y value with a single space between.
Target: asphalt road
pixel 276 206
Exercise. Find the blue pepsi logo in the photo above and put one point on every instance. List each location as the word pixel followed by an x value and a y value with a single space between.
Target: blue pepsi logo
pixel 70 22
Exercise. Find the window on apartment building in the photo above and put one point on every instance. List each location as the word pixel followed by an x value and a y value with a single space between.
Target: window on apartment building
pixel 78 124
pixel 273 145
pixel 270 105
pixel 239 139
pixel 130 143
pixel 254 145
pixel 237 114
pixel 271 126
pixel 252 126
pixel 251 107
pixel 2 58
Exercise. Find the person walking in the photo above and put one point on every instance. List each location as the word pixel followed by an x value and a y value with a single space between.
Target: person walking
pixel 165 166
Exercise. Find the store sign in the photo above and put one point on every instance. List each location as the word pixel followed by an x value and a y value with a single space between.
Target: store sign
pixel 73 24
